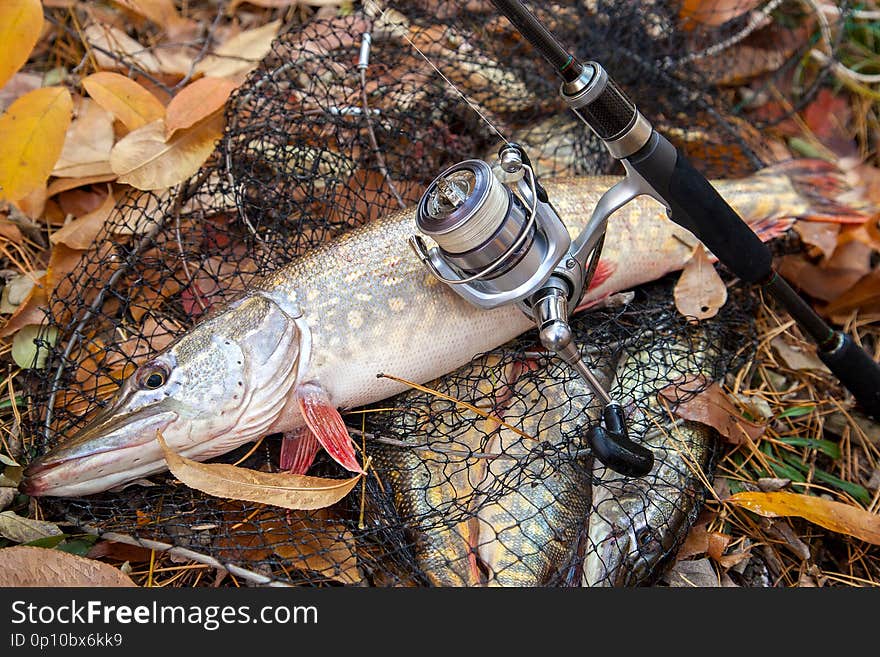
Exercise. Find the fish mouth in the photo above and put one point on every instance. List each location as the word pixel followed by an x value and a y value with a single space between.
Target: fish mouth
pixel 108 451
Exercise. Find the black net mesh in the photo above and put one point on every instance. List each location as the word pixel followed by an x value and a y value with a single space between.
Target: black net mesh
pixel 314 146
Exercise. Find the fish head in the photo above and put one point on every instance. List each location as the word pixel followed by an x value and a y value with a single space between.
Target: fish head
pixel 218 386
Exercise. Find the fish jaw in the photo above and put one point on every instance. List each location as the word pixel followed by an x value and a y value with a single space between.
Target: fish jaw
pixel 222 384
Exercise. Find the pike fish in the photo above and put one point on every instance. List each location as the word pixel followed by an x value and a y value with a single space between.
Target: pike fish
pixel 488 504
pixel 636 524
pixel 311 337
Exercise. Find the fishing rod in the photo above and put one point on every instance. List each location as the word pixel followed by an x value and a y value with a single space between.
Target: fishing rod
pixel 499 239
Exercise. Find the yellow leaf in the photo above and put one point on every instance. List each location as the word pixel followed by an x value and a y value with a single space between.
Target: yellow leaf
pixel 836 516
pixel 196 101
pixel 24 565
pixel 87 144
pixel 21 22
pixel 282 489
pixel 699 292
pixel 241 53
pixel 32 135
pixel 144 160
pixel 124 98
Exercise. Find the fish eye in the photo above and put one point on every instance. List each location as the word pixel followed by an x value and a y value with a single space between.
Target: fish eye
pixel 154 377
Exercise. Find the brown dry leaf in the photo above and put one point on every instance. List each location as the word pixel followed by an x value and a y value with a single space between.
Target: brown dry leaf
pixel 31 311
pixel 87 144
pixel 21 23
pixel 124 98
pixel 10 231
pixel 821 234
pixel 119 551
pixel 62 261
pixel 34 203
pixel 864 296
pixel 849 263
pixel 699 292
pixel 716 12
pixel 81 233
pixel 104 37
pixel 283 489
pixel 796 358
pixel 18 86
pixel 241 53
pixel 713 407
pixel 696 543
pixel 24 565
pixel 32 134
pixel 836 516
pixel 195 102
pixel 161 12
pixel 144 160
pixel 60 185
pixel 697 573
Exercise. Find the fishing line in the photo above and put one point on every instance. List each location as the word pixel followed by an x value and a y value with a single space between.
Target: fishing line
pixel 449 82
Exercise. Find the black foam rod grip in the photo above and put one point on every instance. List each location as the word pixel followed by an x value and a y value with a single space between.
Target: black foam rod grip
pixel 698 207
pixel 857 371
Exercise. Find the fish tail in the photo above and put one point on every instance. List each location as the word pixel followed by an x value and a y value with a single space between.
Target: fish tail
pixel 822 185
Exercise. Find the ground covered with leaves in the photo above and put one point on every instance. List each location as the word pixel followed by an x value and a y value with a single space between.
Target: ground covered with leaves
pixel 100 100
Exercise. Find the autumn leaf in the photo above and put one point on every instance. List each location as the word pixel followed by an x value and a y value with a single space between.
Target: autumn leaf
pixel 161 12
pixel 31 311
pixel 195 102
pixel 130 52
pixel 716 12
pixel 241 53
pixel 146 161
pixel 29 346
pixel 81 233
pixel 32 134
pixel 87 144
pixel 21 23
pixel 714 408
pixel 124 98
pixel 699 292
pixel 282 489
pixel 836 516
pixel 24 565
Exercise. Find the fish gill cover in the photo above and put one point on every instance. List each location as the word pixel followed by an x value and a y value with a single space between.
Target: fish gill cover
pixel 315 146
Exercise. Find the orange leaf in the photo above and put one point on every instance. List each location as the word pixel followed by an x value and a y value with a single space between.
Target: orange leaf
pixel 81 233
pixel 195 102
pixel 282 489
pixel 712 407
pixel 124 98
pixel 32 134
pixel 21 23
pixel 699 292
pixel 836 516
pixel 161 12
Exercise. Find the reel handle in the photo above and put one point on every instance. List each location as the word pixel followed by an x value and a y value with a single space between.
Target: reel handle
pixel 613 447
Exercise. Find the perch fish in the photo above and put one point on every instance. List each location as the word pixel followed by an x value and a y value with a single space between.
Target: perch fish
pixel 311 337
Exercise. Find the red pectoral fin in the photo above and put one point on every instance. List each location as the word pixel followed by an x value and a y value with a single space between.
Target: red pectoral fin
pixel 326 424
pixel 298 450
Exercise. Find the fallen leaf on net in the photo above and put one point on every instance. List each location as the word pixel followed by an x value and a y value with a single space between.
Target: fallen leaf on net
pixel 241 53
pixel 24 565
pixel 81 233
pixel 146 161
pixel 87 144
pixel 124 98
pixel 24 530
pixel 282 489
pixel 699 292
pixel 713 407
pixel 195 102
pixel 716 12
pixel 21 23
pixel 821 234
pixel 62 261
pixel 832 515
pixel 32 133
